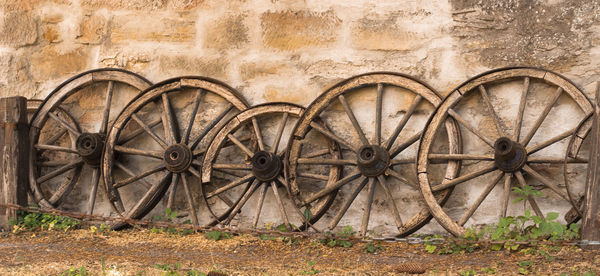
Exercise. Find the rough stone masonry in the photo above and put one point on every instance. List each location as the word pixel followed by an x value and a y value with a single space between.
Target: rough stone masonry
pixel 285 50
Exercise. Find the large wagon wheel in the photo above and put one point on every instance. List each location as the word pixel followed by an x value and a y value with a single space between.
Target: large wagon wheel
pixel 68 133
pixel 494 149
pixel 377 147
pixel 576 163
pixel 143 161
pixel 241 170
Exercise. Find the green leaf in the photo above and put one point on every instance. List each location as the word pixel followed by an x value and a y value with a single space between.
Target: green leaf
pixel 551 216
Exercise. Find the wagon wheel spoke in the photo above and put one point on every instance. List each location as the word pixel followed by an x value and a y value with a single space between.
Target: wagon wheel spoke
pixel 352 117
pixel 106 113
pixel 317 153
pixel 172 191
pixel 486 191
pixel 240 145
pixel 551 141
pixel 490 107
pixel 148 130
pixel 470 127
pixel 188 129
pixel 259 204
pixel 171 121
pixel 442 156
pixel 396 162
pixel 247 178
pixel 522 102
pixel 131 173
pixel 411 110
pixel 258 133
pixel 148 153
pixel 378 110
pixel 553 160
pixel 532 202
pixel 280 205
pixel 461 179
pixel 313 176
pixel 149 196
pixel 135 178
pixel 411 140
pixel 547 182
pixel 391 202
pixel 209 127
pixel 242 202
pixel 332 136
pixel 323 161
pixel 402 179
pixel 352 176
pixel 338 216
pixel 130 136
pixel 367 213
pixel 506 194
pixel 57 136
pixel 190 199
pixel 73 164
pixel 92 196
pixel 279 133
pixel 66 125
pixel 542 116
pixel 221 166
pixel 54 163
pixel 54 148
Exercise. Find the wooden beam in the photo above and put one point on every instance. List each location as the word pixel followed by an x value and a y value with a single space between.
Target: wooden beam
pixel 590 226
pixel 14 154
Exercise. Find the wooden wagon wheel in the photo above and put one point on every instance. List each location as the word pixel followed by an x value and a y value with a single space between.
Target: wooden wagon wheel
pixel 239 171
pixel 495 149
pixel 143 161
pixel 386 158
pixel 68 133
pixel 575 166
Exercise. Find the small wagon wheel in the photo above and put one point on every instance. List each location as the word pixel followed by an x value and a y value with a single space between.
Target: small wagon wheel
pixel 142 161
pixel 377 151
pixel 251 170
pixel 576 163
pixel 68 133
pixel 494 149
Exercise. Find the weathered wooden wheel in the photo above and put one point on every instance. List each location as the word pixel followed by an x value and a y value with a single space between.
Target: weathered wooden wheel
pixel 377 147
pixel 576 163
pixel 495 149
pixel 68 133
pixel 143 161
pixel 237 167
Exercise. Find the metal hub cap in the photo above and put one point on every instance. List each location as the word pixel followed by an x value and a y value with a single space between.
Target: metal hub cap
pixel 90 146
pixel 266 166
pixel 509 155
pixel 177 158
pixel 373 160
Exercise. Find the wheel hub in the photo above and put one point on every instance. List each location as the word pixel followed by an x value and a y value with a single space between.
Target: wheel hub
pixel 373 160
pixel 509 155
pixel 90 146
pixel 266 166
pixel 177 158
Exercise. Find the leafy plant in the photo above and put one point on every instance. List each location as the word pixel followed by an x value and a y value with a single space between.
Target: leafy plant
pixel 372 247
pixel 488 270
pixel 469 272
pixel 217 235
pixel 341 239
pixel 525 267
pixel 525 192
pixel 75 272
pixel 41 221
pixel 311 269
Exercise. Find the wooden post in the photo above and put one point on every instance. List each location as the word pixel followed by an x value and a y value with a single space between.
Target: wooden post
pixel 590 226
pixel 14 156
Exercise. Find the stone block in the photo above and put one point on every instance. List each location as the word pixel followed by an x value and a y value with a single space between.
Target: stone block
pixel 124 5
pixel 292 30
pixel 18 29
pixel 50 63
pixel 51 33
pixel 93 29
pixel 383 34
pixel 226 33
pixel 189 65
pixel 155 28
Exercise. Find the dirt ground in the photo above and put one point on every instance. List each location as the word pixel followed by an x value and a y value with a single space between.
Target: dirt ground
pixel 141 252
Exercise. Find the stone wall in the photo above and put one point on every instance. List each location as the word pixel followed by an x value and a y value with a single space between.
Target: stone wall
pixel 283 50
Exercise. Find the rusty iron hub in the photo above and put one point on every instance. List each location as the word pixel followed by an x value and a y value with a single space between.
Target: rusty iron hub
pixel 509 155
pixel 266 166
pixel 90 146
pixel 373 160
pixel 177 158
